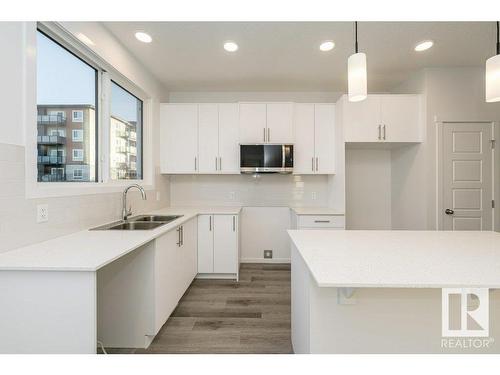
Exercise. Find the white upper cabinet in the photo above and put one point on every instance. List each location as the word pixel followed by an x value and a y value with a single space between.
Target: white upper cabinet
pixel 314 147
pixel 383 118
pixel 179 138
pixel 208 143
pixel 266 123
pixel 279 123
pixel 253 123
pixel 229 138
pixel 199 138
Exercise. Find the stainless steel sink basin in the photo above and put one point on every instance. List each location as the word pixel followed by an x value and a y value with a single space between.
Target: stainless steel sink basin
pixel 159 218
pixel 136 225
pixel 141 222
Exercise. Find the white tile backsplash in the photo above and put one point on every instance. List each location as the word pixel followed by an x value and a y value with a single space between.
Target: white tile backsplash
pixel 247 190
pixel 18 226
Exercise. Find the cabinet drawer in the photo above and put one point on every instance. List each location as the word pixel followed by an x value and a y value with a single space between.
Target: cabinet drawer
pixel 321 221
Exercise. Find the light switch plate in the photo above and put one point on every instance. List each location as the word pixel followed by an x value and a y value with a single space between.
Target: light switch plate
pixel 42 213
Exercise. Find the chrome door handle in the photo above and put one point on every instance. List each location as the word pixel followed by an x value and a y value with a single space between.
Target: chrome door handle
pixel 449 211
pixel 384 132
pixel 379 132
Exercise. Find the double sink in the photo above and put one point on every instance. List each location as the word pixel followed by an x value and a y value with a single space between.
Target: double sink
pixel 141 222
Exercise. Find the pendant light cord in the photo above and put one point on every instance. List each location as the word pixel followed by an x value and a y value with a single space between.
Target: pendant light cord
pixel 356 36
pixel 498 38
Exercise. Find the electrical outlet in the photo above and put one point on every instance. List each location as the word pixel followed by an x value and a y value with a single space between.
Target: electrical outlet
pixel 42 213
pixel 313 195
pixel 268 254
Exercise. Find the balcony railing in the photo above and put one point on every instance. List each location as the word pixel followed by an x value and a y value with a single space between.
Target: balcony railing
pixel 51 140
pixel 58 177
pixel 46 159
pixel 51 120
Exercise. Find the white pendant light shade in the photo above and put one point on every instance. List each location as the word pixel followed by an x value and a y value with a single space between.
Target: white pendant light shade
pixel 356 77
pixel 493 79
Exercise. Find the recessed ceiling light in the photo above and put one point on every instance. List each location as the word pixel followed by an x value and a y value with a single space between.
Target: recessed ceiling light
pixel 85 39
pixel 230 46
pixel 143 37
pixel 327 45
pixel 424 45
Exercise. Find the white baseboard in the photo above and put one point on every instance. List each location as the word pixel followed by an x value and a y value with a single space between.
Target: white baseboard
pixel 262 260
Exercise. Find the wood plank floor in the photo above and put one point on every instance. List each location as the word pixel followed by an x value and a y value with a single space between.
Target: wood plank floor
pixel 222 316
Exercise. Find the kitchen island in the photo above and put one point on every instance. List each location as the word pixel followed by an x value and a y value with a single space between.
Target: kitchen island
pixel 380 291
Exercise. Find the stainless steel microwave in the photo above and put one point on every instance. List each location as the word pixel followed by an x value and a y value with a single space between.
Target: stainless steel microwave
pixel 266 158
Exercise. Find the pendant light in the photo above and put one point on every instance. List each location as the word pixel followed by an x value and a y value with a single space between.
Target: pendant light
pixel 356 72
pixel 493 74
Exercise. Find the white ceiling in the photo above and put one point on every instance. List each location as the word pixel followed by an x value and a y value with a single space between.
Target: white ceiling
pixel 284 56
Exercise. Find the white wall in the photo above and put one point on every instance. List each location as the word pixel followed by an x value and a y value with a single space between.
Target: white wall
pixel 18 225
pixel 253 96
pixel 368 189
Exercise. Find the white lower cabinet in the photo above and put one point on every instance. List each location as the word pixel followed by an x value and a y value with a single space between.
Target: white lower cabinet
pixel 175 269
pixel 218 246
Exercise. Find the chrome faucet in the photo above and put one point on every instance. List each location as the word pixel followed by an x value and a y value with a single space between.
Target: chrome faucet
pixel 127 212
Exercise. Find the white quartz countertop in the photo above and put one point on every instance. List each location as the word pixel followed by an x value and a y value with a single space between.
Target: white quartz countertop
pixel 400 259
pixel 316 211
pixel 90 250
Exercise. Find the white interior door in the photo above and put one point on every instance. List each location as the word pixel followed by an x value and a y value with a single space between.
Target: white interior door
pixel 208 137
pixel 229 138
pixel 252 122
pixel 303 148
pixel 179 135
pixel 324 134
pixel 279 123
pixel 205 244
pixel 467 176
pixel 225 244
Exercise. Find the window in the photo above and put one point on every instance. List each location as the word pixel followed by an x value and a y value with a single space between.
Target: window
pixel 77 135
pixel 77 174
pixel 77 154
pixel 125 134
pixel 77 116
pixel 66 98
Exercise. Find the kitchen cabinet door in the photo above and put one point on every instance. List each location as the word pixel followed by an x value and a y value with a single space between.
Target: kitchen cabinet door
pixel 229 138
pixel 225 244
pixel 205 244
pixel 401 116
pixel 179 138
pixel 303 148
pixel 208 137
pixel 188 254
pixel 324 138
pixel 279 123
pixel 166 271
pixel 252 122
pixel 361 120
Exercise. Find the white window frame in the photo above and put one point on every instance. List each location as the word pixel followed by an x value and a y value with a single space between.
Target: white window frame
pixel 79 151
pixel 106 73
pixel 78 119
pixel 79 177
pixel 79 138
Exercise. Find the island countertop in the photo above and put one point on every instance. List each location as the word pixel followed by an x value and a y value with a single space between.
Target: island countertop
pixel 400 259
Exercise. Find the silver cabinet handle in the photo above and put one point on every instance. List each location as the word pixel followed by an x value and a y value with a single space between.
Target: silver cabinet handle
pixel 312 164
pixel 220 163
pixel 234 223
pixel 179 236
pixel 210 223
pixel 379 132
pixel 269 134
pixel 182 235
pixel 195 163
pixel 384 132
pixel 317 163
pixel 264 134
pixel 216 163
pixel 321 221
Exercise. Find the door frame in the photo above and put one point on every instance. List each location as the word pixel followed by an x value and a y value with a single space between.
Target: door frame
pixel 439 168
